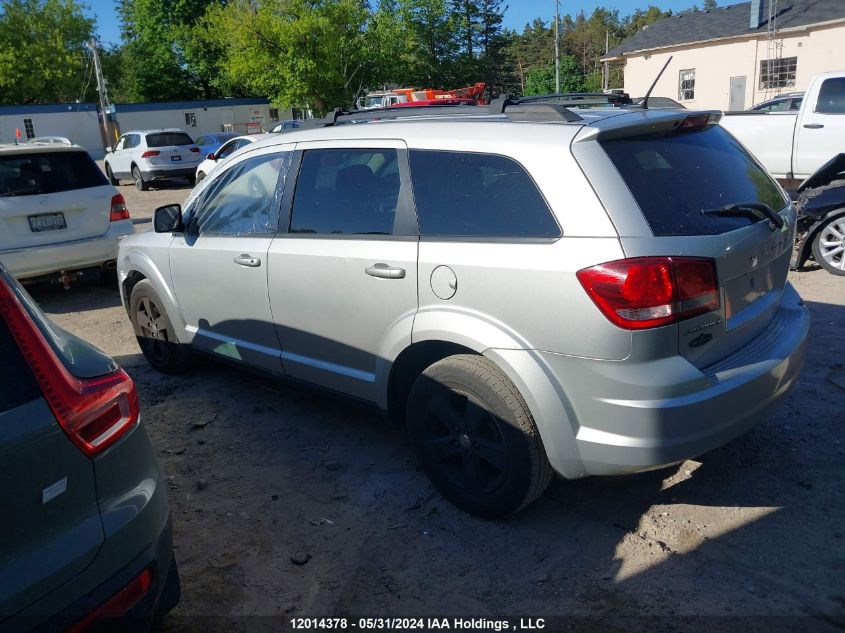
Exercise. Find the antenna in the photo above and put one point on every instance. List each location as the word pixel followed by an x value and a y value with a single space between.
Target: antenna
pixel 656 79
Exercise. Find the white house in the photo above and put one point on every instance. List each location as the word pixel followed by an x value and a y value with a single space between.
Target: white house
pixel 242 116
pixel 733 57
pixel 76 121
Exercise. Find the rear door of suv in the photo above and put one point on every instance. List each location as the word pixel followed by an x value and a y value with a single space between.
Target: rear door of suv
pixel 702 195
pixel 170 150
pixel 51 528
pixel 49 196
pixel 343 279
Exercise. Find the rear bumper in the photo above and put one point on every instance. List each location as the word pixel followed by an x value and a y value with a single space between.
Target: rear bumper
pixel 72 256
pixel 165 173
pixel 630 417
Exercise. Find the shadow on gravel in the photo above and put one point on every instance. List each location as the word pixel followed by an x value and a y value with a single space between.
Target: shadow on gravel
pixel 263 472
pixel 89 292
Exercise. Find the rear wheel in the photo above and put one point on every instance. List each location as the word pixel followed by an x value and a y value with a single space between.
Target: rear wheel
pixel 140 183
pixel 154 331
pixel 475 438
pixel 829 246
pixel 110 175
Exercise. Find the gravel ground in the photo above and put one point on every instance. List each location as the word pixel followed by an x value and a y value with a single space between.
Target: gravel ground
pixel 291 502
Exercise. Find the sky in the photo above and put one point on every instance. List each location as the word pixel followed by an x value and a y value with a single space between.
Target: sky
pixel 519 12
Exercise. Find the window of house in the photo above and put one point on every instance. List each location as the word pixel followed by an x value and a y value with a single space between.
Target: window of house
pixel 686 84
pixel 346 192
pixel 274 114
pixel 778 73
pixel 28 128
pixel 245 199
pixel 477 195
pixel 191 119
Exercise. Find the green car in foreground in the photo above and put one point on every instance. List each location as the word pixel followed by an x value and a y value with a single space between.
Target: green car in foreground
pixel 85 535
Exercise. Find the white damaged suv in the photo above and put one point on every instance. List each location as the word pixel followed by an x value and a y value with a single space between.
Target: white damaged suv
pixel 530 289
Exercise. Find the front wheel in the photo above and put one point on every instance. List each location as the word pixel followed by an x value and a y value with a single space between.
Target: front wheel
pixel 829 246
pixel 110 175
pixel 140 183
pixel 154 331
pixel 475 437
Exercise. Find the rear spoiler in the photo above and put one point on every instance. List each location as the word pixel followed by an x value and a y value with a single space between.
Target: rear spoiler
pixel 642 122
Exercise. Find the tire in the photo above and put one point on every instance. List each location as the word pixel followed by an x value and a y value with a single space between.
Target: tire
pixel 475 437
pixel 112 180
pixel 155 333
pixel 829 246
pixel 140 183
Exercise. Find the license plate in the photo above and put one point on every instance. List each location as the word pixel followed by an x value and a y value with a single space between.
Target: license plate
pixel 47 222
pixel 175 158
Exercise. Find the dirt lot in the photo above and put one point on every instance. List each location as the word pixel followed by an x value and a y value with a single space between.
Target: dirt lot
pixel 261 473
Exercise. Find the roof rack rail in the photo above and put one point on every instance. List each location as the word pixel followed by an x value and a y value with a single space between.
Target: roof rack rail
pixel 513 109
pixel 580 98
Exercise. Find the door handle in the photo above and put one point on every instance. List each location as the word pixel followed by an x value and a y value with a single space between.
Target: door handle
pixel 383 271
pixel 813 126
pixel 247 260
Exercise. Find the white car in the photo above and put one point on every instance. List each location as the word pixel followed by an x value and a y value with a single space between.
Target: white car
pixel 58 213
pixel 152 155
pixel 227 149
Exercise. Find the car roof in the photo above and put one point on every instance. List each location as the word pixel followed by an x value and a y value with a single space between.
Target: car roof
pixel 33 148
pixel 483 130
pixel 158 131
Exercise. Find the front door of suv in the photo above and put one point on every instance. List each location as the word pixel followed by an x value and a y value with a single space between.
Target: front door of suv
pixel 343 280
pixel 219 264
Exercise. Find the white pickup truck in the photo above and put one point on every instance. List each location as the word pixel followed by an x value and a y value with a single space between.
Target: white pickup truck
pixel 793 145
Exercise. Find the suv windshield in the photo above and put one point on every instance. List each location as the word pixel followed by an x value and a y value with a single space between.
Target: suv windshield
pixel 165 139
pixel 48 172
pixel 672 177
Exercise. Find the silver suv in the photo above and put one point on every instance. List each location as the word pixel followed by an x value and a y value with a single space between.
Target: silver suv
pixel 531 291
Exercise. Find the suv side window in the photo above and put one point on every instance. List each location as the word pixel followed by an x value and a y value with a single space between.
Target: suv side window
pixel 121 144
pixel 245 199
pixel 478 195
pixel 133 140
pixel 228 149
pixel 346 192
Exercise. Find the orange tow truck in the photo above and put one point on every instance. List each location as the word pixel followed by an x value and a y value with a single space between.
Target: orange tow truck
pixel 399 97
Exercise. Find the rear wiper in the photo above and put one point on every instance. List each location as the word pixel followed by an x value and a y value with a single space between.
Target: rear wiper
pixel 747 209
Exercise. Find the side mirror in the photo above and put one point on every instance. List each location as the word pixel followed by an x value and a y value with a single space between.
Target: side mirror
pixel 168 219
pixel 109 149
pixel 211 156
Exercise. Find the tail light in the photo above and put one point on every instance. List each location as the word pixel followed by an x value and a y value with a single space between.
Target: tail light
pixel 150 152
pixel 195 150
pixel 119 603
pixel 93 412
pixel 118 209
pixel 646 292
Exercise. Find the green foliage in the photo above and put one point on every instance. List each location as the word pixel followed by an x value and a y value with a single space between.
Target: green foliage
pixel 42 50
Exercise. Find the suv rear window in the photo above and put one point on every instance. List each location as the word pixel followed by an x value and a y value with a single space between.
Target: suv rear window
pixel 48 172
pixel 676 176
pixel 166 139
pixel 477 195
pixel 17 385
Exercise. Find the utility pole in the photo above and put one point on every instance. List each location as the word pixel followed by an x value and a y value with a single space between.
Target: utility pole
pixel 557 45
pixel 101 88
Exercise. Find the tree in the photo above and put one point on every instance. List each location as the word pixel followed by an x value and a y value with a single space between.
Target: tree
pixel 710 4
pixel 542 80
pixel 42 50
pixel 431 41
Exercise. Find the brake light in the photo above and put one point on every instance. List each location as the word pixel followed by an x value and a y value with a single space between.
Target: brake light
pixel 150 152
pixel 118 209
pixel 700 121
pixel 195 150
pixel 93 412
pixel 119 603
pixel 646 292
